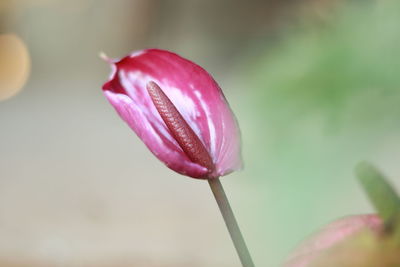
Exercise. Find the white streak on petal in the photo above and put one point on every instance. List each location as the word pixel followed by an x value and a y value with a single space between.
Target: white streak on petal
pixel 129 111
pixel 135 84
pixel 186 107
pixel 210 123
pixel 137 53
pixel 127 101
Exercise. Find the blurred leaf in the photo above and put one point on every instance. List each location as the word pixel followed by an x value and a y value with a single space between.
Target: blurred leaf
pixel 346 73
pixel 380 192
pixel 313 90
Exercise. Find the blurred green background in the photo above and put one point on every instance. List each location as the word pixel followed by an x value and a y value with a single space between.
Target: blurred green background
pixel 315 87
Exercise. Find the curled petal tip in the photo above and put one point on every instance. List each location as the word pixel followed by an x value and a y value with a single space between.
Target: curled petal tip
pixel 104 57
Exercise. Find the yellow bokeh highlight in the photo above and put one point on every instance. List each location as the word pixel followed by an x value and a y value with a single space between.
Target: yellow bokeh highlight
pixel 14 65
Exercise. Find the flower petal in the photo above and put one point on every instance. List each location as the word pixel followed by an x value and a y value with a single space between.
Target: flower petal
pixel 163 148
pixel 196 96
pixel 331 235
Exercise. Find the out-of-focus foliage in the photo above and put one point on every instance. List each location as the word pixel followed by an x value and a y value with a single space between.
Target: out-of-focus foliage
pixel 381 194
pixel 346 70
pixel 323 96
pixel 358 241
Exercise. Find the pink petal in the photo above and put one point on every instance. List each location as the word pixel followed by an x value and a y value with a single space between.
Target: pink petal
pixel 331 235
pixel 196 96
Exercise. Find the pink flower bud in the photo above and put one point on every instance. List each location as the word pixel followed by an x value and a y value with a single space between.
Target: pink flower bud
pixel 178 111
pixel 330 236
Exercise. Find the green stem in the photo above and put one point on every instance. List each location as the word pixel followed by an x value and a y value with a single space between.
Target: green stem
pixel 231 223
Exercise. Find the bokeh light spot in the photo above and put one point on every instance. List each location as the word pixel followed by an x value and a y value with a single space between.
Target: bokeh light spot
pixel 14 65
